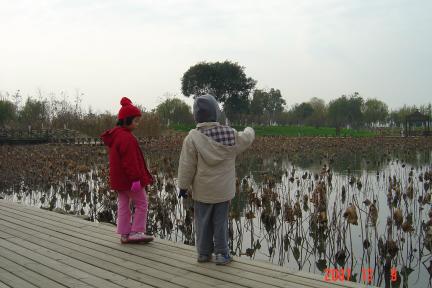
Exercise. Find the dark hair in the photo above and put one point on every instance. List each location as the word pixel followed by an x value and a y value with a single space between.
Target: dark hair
pixel 126 121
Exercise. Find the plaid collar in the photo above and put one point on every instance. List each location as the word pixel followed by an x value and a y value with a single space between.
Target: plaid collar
pixel 221 134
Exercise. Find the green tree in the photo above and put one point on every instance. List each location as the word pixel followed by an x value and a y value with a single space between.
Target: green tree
pixel 375 111
pixel 355 115
pixel 174 110
pixel 34 113
pixel 284 118
pixel 7 112
pixel 17 98
pixel 319 116
pixel 346 110
pixel 302 112
pixel 236 108
pixel 275 104
pixel 267 104
pixel 397 117
pixel 426 109
pixel 337 112
pixel 258 102
pixel 227 81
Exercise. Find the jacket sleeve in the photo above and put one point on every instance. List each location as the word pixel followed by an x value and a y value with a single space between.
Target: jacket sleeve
pixel 148 177
pixel 187 163
pixel 129 160
pixel 245 139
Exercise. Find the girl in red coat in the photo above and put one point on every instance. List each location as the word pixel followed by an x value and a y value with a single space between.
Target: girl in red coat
pixel 128 174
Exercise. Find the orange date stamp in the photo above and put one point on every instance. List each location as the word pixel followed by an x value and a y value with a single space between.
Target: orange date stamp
pixel 342 274
pixel 337 275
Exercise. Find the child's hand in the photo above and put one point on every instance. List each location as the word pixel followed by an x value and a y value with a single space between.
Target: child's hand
pixel 183 193
pixel 136 187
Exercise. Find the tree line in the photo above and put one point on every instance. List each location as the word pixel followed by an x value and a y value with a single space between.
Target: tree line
pixel 53 113
pixel 242 104
pixel 269 108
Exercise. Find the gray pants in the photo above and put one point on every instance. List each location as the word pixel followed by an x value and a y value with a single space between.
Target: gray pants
pixel 211 222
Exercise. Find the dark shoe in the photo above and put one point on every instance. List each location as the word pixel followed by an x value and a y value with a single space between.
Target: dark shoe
pixel 204 258
pixel 222 259
pixel 124 238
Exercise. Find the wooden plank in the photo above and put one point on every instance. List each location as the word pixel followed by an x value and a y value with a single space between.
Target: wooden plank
pixel 80 265
pixel 5 235
pixel 103 255
pixel 106 239
pixel 161 243
pixel 65 279
pixel 30 276
pixel 3 285
pixel 270 280
pixel 14 281
pixel 303 279
pixel 167 245
pixel 193 268
pixel 106 264
pixel 87 258
pixel 41 263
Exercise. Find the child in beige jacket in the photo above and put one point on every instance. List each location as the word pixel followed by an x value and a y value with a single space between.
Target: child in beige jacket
pixel 207 170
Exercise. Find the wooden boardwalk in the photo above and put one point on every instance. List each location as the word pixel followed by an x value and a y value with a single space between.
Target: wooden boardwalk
pixel 45 249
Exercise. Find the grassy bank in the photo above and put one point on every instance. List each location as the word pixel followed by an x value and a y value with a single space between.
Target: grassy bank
pixel 292 131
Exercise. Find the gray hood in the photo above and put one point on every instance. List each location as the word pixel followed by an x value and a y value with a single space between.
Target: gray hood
pixel 206 109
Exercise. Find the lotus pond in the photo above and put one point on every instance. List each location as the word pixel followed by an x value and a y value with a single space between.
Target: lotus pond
pixel 306 203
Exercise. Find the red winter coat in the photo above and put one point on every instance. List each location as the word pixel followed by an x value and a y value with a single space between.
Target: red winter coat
pixel 126 159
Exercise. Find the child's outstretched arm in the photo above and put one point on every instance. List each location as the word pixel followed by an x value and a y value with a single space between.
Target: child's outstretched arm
pixel 187 164
pixel 245 139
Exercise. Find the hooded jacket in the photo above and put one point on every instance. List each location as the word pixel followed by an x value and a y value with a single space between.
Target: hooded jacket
pixel 208 167
pixel 126 159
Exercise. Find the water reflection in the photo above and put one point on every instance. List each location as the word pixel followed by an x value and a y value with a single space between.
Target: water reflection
pixel 320 217
pixel 310 211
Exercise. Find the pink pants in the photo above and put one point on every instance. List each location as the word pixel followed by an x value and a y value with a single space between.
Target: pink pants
pixel 139 221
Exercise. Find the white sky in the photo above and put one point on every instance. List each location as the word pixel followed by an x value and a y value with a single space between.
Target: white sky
pixel 321 48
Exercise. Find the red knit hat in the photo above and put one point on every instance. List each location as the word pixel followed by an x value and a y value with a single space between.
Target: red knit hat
pixel 127 109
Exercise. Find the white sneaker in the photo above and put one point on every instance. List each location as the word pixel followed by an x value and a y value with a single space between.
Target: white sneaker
pixel 136 237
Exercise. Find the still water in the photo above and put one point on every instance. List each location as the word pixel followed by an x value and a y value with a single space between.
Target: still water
pixel 368 215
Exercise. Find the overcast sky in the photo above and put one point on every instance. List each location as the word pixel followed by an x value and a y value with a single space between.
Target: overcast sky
pixel 107 49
